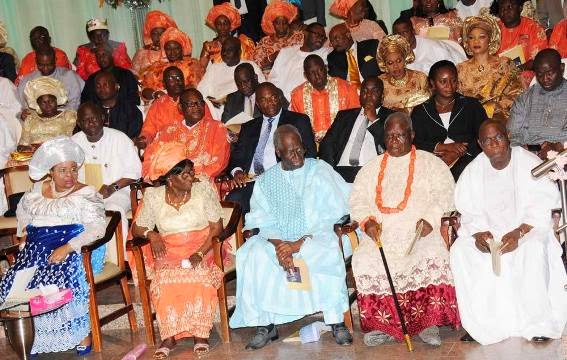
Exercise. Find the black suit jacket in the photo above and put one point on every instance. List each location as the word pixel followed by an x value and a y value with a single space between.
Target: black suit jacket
pixel 249 136
pixel 466 117
pixel 365 57
pixel 333 144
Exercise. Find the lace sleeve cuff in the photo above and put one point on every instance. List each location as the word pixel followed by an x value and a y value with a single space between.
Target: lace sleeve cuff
pixel 93 232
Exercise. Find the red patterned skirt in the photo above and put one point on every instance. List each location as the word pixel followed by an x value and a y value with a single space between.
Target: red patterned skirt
pixel 434 305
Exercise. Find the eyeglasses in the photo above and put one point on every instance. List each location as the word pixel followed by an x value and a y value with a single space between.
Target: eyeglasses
pixel 192 104
pixel 489 140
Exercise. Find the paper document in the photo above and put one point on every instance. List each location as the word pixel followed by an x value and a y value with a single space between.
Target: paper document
pixel 235 123
pixel 516 54
pixel 438 32
pixel 495 246
pixel 416 237
pixel 93 175
pixel 298 278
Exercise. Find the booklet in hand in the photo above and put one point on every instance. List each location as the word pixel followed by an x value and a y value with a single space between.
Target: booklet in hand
pixel 298 277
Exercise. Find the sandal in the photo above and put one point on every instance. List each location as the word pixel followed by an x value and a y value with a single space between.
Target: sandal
pixel 201 349
pixel 162 353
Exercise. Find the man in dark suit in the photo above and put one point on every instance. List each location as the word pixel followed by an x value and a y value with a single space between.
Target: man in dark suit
pixel 363 53
pixel 357 135
pixel 251 12
pixel 254 151
pixel 243 99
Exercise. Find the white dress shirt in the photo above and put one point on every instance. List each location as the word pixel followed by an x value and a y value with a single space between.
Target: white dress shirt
pixel 287 72
pixel 368 150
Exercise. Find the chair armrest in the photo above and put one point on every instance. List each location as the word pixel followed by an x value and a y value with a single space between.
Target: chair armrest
pixel 345 225
pixel 110 229
pixel 9 251
pixel 136 242
pixel 249 233
pixel 232 224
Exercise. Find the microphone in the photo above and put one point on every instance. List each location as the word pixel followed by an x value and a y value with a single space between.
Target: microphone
pixel 547 165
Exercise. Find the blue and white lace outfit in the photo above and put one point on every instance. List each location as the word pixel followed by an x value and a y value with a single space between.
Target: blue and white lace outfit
pixel 77 219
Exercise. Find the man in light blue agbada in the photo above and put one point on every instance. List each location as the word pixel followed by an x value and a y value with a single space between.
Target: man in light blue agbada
pixel 294 205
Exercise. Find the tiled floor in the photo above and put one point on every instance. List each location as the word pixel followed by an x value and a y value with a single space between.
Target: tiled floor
pixel 119 342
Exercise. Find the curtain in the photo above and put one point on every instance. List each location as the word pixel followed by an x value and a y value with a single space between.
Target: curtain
pixel 66 20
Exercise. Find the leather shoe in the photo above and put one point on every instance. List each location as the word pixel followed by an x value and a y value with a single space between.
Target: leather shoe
pixel 540 339
pixel 467 338
pixel 262 337
pixel 341 334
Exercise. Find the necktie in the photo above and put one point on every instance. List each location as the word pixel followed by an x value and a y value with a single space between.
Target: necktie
pixel 354 156
pixel 248 107
pixel 237 4
pixel 258 162
pixel 353 76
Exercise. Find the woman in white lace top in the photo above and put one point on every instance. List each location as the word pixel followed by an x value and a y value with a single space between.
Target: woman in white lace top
pixel 58 216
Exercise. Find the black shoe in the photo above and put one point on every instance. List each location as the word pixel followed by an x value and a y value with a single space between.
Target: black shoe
pixel 341 334
pixel 263 336
pixel 467 338
pixel 540 339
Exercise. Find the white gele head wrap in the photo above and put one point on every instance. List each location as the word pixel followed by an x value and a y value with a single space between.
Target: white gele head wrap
pixel 53 152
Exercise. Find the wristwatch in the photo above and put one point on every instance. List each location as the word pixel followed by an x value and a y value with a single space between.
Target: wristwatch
pixel 115 187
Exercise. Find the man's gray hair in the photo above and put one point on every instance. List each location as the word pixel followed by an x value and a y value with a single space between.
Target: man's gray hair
pixel 284 130
pixel 399 115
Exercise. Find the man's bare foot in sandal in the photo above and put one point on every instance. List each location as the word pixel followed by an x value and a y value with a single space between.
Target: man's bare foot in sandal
pixel 165 348
pixel 201 346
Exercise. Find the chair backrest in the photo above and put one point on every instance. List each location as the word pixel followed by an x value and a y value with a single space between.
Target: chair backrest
pixel 115 247
pixel 16 179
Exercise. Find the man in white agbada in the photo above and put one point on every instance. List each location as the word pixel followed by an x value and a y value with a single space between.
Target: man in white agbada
pixel 498 198
pixel 287 71
pixel 427 51
pixel 466 8
pixel 218 80
pixel 111 160
pixel 294 206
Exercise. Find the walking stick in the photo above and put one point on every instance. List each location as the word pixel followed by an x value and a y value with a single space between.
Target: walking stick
pixel 394 295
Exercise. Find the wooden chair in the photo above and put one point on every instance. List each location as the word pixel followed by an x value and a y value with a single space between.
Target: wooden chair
pixel 232 225
pixel 113 273
pixel 16 179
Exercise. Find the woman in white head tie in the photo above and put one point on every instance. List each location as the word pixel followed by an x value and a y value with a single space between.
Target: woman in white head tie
pixel 59 215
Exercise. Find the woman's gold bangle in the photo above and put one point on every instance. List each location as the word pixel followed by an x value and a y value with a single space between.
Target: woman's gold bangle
pixel 200 254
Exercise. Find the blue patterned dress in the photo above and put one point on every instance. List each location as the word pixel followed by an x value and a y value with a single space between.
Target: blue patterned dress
pixel 77 219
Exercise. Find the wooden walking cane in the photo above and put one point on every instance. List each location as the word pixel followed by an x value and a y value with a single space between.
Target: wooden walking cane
pixel 394 295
